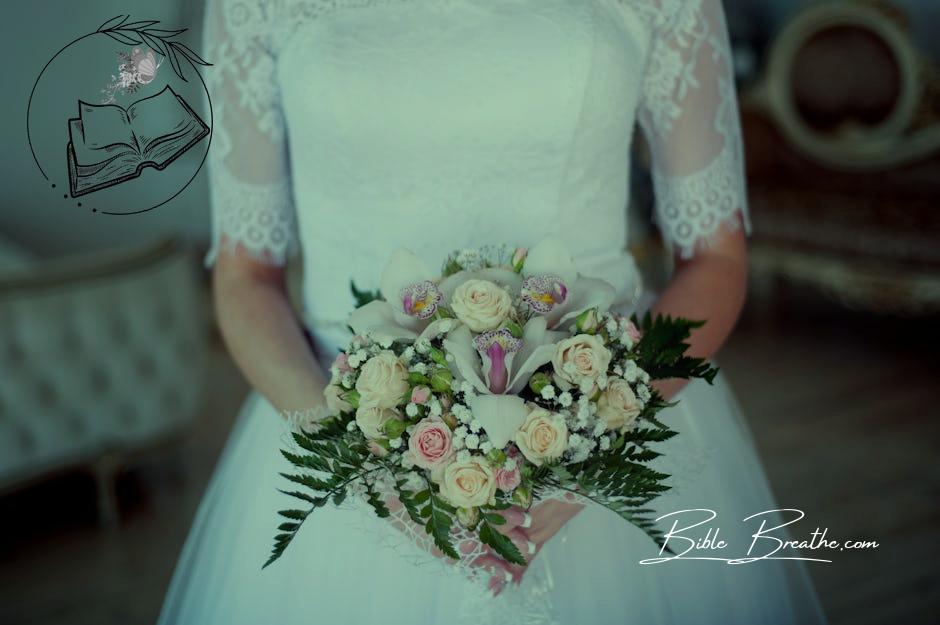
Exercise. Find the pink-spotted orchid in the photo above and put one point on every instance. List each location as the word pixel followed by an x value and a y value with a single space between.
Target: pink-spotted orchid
pixel 411 297
pixel 552 287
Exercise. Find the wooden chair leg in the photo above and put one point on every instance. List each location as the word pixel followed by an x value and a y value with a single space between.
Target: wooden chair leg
pixel 105 472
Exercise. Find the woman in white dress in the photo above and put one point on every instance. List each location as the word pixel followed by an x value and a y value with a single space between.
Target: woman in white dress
pixel 347 128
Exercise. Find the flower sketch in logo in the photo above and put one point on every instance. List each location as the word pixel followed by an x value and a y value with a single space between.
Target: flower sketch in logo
pixel 134 144
pixel 134 70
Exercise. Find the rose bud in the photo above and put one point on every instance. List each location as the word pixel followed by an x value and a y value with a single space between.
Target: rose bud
pixel 450 420
pixel 518 258
pixel 393 428
pixel 351 398
pixel 539 381
pixel 377 450
pixel 420 394
pixel 587 321
pixel 438 356
pixel 514 328
pixel 522 497
pixel 468 517
pixel 441 379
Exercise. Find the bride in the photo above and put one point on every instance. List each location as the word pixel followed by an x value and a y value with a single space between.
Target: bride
pixel 347 128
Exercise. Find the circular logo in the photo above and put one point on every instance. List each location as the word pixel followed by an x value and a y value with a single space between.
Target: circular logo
pixel 113 120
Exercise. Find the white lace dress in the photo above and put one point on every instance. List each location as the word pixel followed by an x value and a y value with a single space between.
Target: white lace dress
pixel 345 128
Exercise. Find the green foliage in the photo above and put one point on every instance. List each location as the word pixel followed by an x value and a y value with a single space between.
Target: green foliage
pixel 363 297
pixel 375 500
pixel 661 350
pixel 411 501
pixel 500 543
pixel 439 521
pixel 340 460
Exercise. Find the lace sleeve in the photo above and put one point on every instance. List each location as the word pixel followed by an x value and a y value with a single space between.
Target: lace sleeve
pixel 249 170
pixel 689 114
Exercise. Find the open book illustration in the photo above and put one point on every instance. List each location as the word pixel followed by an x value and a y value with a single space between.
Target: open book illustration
pixel 109 145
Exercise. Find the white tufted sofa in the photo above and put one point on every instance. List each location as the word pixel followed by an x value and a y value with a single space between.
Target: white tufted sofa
pixel 100 358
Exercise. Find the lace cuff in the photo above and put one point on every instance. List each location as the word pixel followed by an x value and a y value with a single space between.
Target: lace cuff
pixel 690 210
pixel 257 217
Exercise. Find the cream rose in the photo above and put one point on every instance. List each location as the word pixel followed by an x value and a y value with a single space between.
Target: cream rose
pixel 581 358
pixel 543 436
pixel 481 304
pixel 469 483
pixel 371 419
pixel 334 400
pixel 382 381
pixel 618 405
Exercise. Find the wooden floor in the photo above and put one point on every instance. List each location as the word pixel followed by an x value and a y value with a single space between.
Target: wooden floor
pixel 843 407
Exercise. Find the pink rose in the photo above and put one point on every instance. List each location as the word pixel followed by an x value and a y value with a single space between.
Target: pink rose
pixel 632 331
pixel 507 481
pixel 377 450
pixel 431 444
pixel 420 394
pixel 341 362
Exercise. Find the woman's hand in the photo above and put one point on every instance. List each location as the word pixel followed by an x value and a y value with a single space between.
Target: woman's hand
pixel 500 570
pixel 536 528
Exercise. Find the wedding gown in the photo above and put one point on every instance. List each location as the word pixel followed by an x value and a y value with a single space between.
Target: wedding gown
pixel 348 128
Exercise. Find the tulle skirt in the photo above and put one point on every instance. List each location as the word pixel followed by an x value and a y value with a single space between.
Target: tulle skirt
pixel 346 565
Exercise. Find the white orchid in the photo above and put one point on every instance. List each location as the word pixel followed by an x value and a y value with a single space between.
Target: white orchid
pixel 497 366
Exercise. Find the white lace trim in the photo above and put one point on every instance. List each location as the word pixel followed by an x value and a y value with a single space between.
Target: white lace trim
pixel 259 218
pixel 690 210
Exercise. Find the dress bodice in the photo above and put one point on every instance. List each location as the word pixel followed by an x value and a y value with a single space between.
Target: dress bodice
pixel 348 128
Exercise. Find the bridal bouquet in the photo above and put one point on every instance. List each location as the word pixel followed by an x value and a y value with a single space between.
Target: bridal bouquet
pixel 504 381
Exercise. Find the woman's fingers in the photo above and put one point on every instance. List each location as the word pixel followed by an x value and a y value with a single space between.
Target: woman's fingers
pixel 523 543
pixel 499 568
pixel 515 517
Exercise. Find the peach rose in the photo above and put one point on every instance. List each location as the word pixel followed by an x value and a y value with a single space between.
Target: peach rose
pixel 618 405
pixel 543 436
pixel 580 359
pixel 469 483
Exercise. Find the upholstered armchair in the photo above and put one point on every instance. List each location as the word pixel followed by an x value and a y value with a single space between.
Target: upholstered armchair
pixel 101 358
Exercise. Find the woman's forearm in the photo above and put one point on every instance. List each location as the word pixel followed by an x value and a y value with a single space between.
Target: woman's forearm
pixel 265 338
pixel 712 287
